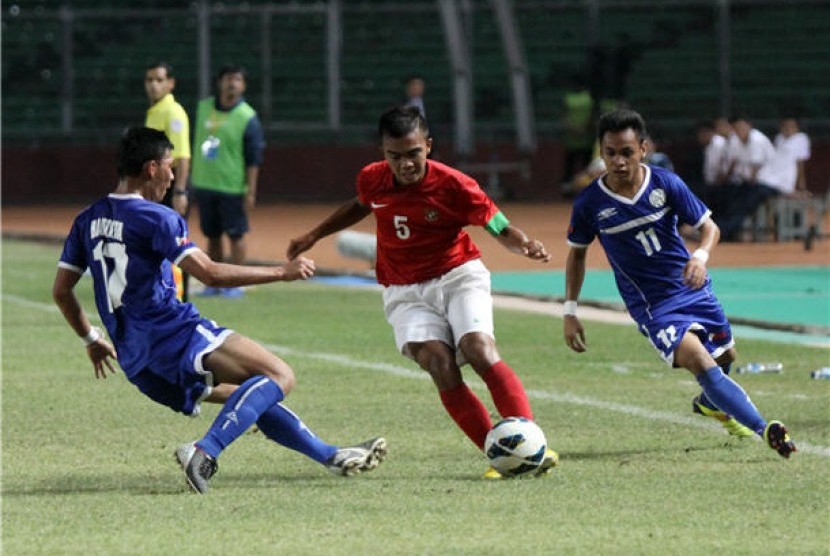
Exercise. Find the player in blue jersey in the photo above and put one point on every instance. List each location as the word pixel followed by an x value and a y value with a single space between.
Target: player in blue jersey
pixel 128 241
pixel 635 211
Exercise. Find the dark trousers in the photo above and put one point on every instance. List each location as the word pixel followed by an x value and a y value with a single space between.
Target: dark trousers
pixel 732 203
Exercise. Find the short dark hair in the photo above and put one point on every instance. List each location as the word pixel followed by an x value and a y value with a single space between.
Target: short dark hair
pixel 412 77
pixel 400 121
pixel 161 64
pixel 705 124
pixel 620 120
pixel 231 68
pixel 138 146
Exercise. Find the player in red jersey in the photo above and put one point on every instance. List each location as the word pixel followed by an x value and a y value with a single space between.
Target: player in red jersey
pixel 437 290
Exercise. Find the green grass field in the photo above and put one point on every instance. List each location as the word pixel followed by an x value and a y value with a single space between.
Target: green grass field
pixel 87 465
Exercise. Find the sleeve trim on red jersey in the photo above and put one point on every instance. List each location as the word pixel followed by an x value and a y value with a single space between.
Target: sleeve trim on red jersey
pixel 497 224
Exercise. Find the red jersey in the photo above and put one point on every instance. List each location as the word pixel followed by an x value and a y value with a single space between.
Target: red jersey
pixel 420 233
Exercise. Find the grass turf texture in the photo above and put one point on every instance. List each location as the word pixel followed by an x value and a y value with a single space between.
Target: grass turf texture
pixel 88 466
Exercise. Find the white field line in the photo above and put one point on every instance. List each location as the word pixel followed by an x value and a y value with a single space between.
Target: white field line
pixel 563 397
pixel 560 397
pixel 31 304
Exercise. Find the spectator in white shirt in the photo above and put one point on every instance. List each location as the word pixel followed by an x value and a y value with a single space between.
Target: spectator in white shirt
pixel 715 154
pixel 792 149
pixel 749 151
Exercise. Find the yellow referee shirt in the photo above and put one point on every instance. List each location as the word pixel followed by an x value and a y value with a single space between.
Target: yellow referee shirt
pixel 168 116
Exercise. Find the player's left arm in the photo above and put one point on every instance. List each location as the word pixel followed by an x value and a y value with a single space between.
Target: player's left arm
pixel 572 329
pixel 98 348
pixel 691 210
pixel 514 239
pixel 694 273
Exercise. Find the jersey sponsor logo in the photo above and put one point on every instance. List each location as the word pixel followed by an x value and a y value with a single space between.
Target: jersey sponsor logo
pixel 431 214
pixel 378 205
pixel 606 213
pixel 657 198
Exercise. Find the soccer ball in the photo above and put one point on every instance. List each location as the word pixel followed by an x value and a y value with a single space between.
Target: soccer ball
pixel 515 446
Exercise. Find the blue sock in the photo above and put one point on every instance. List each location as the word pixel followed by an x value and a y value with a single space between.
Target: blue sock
pixel 243 408
pixel 283 426
pixel 729 397
pixel 706 401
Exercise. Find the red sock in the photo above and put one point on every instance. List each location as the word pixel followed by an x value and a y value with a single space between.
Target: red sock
pixel 468 412
pixel 508 393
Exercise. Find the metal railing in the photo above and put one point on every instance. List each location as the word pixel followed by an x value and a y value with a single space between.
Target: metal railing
pixel 494 68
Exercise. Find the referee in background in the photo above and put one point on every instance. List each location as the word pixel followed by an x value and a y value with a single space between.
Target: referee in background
pixel 167 115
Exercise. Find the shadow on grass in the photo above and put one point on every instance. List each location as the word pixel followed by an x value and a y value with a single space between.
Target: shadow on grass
pixel 624 456
pixel 174 484
pixel 73 484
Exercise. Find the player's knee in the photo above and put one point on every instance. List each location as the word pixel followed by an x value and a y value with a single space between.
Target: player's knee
pixel 439 361
pixel 479 349
pixel 283 375
pixel 728 357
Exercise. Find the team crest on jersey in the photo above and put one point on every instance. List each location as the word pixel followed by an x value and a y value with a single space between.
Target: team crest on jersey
pixel 431 214
pixel 657 198
pixel 606 213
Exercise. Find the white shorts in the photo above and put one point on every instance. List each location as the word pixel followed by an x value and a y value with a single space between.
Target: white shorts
pixel 445 308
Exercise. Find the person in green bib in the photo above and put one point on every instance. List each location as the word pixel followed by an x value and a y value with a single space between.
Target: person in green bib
pixel 227 153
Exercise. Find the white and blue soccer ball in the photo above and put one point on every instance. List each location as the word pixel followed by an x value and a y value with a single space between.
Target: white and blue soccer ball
pixel 515 446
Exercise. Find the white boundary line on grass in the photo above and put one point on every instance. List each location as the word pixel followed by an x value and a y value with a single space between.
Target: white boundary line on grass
pixel 564 397
pixel 396 370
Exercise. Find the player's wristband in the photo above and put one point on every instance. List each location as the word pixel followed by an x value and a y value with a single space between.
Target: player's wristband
pixel 94 335
pixel 569 309
pixel 701 254
pixel 180 192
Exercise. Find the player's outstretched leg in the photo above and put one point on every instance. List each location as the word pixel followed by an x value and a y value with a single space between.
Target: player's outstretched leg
pixel 242 409
pixel 285 427
pixel 198 466
pixel 702 406
pixel 776 436
pixel 727 395
pixel 468 412
pixel 351 460
pixel 507 391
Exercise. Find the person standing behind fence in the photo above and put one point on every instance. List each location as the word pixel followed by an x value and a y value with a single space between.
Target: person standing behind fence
pixel 167 115
pixel 228 147
pixel 414 87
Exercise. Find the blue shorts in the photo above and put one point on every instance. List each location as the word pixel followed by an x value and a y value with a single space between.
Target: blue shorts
pixel 706 319
pixel 179 379
pixel 221 213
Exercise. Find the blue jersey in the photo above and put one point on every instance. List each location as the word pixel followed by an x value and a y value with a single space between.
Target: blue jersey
pixel 128 243
pixel 641 240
